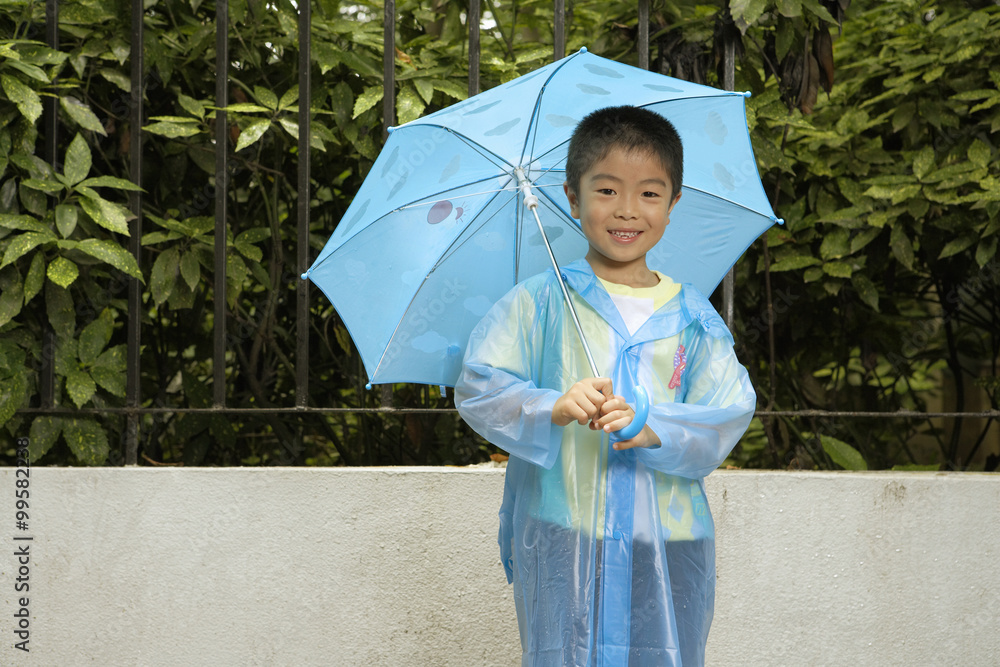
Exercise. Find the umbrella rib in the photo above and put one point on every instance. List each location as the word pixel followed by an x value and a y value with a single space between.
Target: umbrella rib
pixel 437 196
pixel 486 153
pixel 728 201
pixel 531 133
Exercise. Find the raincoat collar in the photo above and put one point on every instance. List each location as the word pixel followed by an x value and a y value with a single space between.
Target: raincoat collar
pixel 669 320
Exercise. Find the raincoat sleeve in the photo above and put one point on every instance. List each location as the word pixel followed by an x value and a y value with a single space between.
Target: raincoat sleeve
pixel 497 393
pixel 697 435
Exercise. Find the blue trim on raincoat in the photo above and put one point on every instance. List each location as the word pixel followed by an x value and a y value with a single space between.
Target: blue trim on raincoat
pixel 611 553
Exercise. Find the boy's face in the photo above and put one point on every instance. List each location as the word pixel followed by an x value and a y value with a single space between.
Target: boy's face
pixel 623 205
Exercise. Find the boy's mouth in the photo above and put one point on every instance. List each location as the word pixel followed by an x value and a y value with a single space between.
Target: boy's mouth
pixel 624 235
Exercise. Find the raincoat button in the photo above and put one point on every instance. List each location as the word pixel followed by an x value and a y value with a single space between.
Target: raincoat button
pixel 617 535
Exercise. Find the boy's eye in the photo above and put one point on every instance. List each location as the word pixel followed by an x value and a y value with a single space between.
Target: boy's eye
pixel 606 191
pixel 650 194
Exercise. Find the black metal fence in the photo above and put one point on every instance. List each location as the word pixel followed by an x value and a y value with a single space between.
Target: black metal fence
pixel 133 409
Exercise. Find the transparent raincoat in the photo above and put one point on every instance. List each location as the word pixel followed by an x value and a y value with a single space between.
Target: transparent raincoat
pixel 611 553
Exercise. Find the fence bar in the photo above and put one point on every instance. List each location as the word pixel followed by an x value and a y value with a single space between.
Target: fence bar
pixel 388 67
pixel 559 31
pixel 304 192
pixel 221 201
pixel 134 326
pixel 47 370
pixel 643 37
pixel 473 20
pixel 729 83
pixel 826 414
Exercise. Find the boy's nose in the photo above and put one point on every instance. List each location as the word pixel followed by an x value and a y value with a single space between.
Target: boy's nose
pixel 626 211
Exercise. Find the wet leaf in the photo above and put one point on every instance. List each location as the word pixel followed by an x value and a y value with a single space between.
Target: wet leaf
pixel 36 277
pixel 746 12
pixel 901 246
pixel 110 380
pixel 113 254
pixel 78 160
pixel 95 336
pixel 866 290
pixel 173 130
pixel 289 97
pixel 45 430
pixel 836 244
pixel 80 386
pixel 59 308
pixel 366 100
pixel 11 295
pixel 87 440
pixel 105 213
pixel 986 251
pixel 956 246
pixel 409 106
pixel 192 106
pixel 50 187
pixel 117 78
pixel 793 262
pixel 13 382
pixel 190 269
pixel 923 162
pixel 62 272
pixel 251 133
pixel 979 153
pixel 82 114
pixel 265 97
pixel 27 100
pixel 843 454
pixel 425 88
pixel 23 222
pixel 163 277
pixel 111 182
pixel 66 216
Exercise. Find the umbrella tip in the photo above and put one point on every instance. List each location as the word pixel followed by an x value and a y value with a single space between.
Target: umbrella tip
pixel 583 49
pixel 305 276
pixel 780 221
pixel 368 385
pixel 390 129
pixel 747 93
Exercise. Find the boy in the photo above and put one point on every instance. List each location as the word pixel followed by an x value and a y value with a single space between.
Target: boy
pixel 609 545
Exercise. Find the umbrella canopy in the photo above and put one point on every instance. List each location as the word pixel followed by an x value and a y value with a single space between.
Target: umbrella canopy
pixel 438 231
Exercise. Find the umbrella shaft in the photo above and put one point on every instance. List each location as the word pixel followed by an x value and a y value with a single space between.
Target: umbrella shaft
pixel 565 291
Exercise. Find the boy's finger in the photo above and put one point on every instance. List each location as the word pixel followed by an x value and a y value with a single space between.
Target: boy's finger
pixel 627 444
pixel 612 404
pixel 595 397
pixel 603 385
pixel 615 421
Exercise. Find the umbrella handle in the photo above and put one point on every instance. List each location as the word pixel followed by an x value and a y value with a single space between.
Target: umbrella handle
pixel 641 413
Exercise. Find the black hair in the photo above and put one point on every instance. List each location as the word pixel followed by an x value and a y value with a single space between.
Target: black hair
pixel 630 129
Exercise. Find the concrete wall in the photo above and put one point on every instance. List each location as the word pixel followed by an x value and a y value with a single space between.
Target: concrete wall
pixel 400 567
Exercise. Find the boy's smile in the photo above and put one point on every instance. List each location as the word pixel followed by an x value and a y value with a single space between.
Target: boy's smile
pixel 623 205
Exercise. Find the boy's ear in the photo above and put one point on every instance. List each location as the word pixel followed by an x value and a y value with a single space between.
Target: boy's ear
pixel 674 203
pixel 574 202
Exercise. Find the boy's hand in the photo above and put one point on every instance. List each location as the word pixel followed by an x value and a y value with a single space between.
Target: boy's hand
pixel 616 415
pixel 582 403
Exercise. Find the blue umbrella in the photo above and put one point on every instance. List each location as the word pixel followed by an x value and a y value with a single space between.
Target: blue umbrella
pixel 440 230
